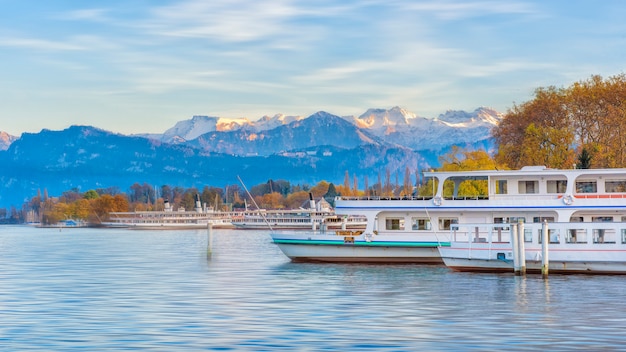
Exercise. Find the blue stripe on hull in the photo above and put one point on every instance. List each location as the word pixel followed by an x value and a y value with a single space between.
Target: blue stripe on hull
pixel 363 243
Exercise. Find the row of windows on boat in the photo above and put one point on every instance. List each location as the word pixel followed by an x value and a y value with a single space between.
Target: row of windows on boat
pixel 423 223
pixel 529 187
pixel 570 235
pixel 560 186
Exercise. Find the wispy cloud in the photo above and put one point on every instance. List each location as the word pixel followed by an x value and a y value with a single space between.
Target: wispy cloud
pixel 92 15
pixel 40 44
pixel 229 21
pixel 452 10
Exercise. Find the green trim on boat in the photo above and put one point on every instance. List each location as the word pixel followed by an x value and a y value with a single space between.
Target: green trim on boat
pixel 364 244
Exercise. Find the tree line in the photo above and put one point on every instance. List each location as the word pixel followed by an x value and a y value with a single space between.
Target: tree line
pixel 95 205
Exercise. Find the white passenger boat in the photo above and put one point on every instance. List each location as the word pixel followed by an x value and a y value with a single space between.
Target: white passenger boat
pixel 169 218
pixel 586 211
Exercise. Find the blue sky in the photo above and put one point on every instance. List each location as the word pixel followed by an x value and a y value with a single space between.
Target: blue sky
pixel 141 66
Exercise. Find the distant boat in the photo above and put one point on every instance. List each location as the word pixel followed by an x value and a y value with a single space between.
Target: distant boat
pixel 199 218
pixel 313 215
pixel 297 220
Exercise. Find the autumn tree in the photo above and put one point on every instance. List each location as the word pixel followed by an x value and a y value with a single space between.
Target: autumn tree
pixel 554 127
pixel 320 189
pixel 296 199
pixel 407 188
pixel 465 160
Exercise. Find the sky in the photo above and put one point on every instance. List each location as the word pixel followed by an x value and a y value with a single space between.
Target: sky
pixel 141 66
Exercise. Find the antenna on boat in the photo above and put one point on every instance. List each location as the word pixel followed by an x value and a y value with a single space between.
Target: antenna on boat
pixel 256 205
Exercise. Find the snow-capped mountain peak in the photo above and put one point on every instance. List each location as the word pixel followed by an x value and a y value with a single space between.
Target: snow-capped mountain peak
pixel 269 122
pixel 190 129
pixel 382 118
pixel 6 140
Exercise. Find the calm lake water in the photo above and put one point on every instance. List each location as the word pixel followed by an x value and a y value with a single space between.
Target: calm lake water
pixel 105 289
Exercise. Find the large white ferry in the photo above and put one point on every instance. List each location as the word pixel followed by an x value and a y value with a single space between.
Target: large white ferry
pixel 586 205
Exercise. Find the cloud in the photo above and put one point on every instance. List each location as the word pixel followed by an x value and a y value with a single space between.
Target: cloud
pixel 93 15
pixel 40 44
pixel 453 10
pixel 227 21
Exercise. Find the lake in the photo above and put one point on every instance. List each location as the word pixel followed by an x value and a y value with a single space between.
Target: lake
pixel 115 289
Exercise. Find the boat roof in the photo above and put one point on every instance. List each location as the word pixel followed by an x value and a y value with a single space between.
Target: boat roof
pixel 525 171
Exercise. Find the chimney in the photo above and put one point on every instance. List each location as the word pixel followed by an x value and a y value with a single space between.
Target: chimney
pixel 311 201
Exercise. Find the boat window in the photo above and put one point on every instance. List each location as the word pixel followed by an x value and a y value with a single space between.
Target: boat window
pixel 604 236
pixel 421 224
pixel 528 235
pixel 614 186
pixel 500 220
pixel 576 219
pixel 394 223
pixel 576 236
pixel 516 219
pixel 444 223
pixel 501 187
pixel 528 187
pixel 623 235
pixel 542 218
pixel 602 219
pixel 586 187
pixel 553 235
pixel 556 186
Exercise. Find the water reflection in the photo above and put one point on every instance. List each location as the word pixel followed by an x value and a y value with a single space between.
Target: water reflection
pixel 116 289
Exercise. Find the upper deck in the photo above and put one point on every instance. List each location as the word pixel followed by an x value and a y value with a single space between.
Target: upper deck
pixel 530 186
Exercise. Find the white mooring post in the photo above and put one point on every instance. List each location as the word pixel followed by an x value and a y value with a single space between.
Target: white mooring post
pixel 521 247
pixel 545 240
pixel 210 238
pixel 515 245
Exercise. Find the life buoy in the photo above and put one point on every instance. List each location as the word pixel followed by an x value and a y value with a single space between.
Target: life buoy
pixel 437 201
pixel 568 199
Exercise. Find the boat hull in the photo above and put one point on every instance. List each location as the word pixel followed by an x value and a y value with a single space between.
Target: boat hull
pixel 332 248
pixel 167 226
pixel 533 267
pixel 563 258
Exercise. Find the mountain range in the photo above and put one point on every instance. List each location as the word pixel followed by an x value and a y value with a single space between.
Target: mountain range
pixel 214 151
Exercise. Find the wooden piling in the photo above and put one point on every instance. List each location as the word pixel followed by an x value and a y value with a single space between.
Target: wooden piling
pixel 545 240
pixel 209 238
pixel 515 245
pixel 521 247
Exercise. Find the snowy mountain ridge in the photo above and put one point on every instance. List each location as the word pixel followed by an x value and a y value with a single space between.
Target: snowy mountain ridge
pixel 395 125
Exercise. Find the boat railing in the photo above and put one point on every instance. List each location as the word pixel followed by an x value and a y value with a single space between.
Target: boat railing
pixel 384 198
pixel 600 196
pixel 393 198
pixel 558 233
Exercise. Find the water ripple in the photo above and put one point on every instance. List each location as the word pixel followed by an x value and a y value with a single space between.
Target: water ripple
pixel 89 289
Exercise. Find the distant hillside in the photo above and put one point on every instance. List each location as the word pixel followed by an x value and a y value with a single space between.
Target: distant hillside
pixel 85 158
pixel 214 151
